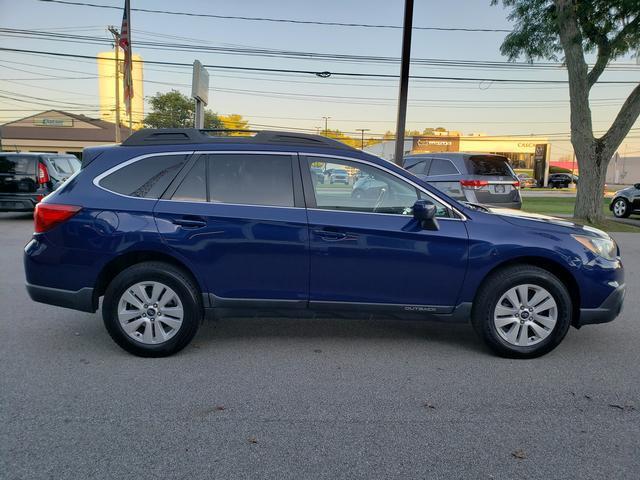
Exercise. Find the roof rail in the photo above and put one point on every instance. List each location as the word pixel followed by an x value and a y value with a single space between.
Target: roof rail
pixel 181 136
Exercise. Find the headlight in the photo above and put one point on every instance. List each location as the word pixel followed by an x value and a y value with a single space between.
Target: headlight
pixel 602 246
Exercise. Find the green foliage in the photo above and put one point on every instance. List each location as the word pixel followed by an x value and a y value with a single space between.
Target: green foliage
pixel 610 26
pixel 556 169
pixel 175 110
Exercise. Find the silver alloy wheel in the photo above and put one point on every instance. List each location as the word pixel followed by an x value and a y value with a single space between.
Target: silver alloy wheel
pixel 525 315
pixel 620 207
pixel 150 312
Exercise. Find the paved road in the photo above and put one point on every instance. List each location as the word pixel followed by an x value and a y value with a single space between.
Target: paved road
pixel 320 399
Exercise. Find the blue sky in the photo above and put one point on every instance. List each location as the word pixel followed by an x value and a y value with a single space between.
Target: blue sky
pixel 496 109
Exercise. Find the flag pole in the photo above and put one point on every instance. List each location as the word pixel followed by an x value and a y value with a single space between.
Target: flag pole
pixel 116 39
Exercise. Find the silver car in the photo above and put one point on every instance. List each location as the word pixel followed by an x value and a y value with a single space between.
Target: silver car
pixel 470 177
pixel 626 201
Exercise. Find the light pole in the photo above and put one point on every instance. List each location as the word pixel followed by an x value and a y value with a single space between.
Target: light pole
pixel 362 130
pixel 326 126
pixel 116 39
pixel 404 80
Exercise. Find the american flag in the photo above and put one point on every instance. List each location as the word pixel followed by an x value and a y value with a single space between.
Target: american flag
pixel 125 44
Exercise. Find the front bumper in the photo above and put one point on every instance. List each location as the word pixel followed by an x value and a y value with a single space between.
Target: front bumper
pixel 610 308
pixel 82 299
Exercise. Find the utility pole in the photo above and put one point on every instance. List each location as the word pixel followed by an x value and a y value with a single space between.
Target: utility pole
pixel 404 80
pixel 362 130
pixel 116 39
pixel 326 126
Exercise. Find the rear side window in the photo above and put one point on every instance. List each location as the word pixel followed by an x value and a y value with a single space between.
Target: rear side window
pixel 146 178
pixel 251 179
pixel 489 165
pixel 440 166
pixel 18 165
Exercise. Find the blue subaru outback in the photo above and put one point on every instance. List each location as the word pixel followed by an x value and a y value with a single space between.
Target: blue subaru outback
pixel 177 225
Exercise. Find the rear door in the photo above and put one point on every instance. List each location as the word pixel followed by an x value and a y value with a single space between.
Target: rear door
pixel 239 219
pixel 18 174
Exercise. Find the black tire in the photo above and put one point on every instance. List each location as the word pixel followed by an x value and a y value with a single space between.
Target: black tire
pixel 627 209
pixel 500 282
pixel 170 276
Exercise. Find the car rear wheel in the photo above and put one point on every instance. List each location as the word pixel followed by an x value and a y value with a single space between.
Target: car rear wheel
pixel 621 208
pixel 522 312
pixel 152 309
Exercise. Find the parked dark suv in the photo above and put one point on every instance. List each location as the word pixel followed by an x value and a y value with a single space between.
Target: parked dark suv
pixel 25 178
pixel 173 225
pixel 472 177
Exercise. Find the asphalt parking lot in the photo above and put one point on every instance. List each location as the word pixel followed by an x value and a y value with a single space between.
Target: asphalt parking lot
pixel 286 399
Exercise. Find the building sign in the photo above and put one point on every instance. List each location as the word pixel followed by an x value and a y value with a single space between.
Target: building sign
pixel 53 122
pixel 539 161
pixel 435 144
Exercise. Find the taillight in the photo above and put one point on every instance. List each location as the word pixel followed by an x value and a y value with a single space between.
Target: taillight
pixel 48 215
pixel 516 184
pixel 43 174
pixel 474 184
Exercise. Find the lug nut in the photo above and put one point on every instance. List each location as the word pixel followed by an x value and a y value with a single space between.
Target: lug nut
pixel 155 305
pixel 144 314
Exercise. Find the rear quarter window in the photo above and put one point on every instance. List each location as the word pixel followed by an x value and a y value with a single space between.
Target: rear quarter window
pixel 489 165
pixel 146 178
pixel 441 166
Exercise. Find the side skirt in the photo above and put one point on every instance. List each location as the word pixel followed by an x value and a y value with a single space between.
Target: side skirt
pixel 218 307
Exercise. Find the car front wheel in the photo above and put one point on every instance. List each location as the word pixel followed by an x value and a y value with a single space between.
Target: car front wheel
pixel 522 311
pixel 152 309
pixel 621 208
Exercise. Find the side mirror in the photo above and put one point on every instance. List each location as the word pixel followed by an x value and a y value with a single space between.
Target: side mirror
pixel 425 213
pixel 637 185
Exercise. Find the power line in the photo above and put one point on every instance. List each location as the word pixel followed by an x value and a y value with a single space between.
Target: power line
pixel 276 20
pixel 301 55
pixel 321 74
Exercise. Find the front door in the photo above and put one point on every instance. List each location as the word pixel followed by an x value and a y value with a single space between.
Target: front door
pixel 236 218
pixel 366 247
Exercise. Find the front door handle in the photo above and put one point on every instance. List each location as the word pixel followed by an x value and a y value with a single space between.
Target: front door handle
pixel 190 222
pixel 329 236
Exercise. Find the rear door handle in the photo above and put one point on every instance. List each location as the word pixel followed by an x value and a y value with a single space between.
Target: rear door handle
pixel 190 222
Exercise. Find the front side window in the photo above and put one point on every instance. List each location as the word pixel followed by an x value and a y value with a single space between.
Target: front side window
pixel 146 178
pixel 367 189
pixel 251 179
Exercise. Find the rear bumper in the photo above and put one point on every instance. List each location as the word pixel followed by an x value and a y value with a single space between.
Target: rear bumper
pixel 82 299
pixel 18 203
pixel 610 308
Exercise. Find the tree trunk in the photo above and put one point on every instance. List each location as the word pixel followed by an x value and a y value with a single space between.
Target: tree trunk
pixel 593 170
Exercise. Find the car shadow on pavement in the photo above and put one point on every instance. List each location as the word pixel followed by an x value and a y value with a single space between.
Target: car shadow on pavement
pixel 457 335
pixel 16 216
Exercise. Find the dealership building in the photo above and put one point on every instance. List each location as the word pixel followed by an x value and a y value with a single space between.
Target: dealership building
pixel 56 131
pixel 522 152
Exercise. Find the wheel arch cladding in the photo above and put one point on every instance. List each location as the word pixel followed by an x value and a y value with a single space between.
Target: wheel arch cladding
pixel 557 269
pixel 126 260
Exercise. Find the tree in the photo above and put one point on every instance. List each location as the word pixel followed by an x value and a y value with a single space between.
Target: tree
pixel 234 122
pixel 175 110
pixel 546 29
